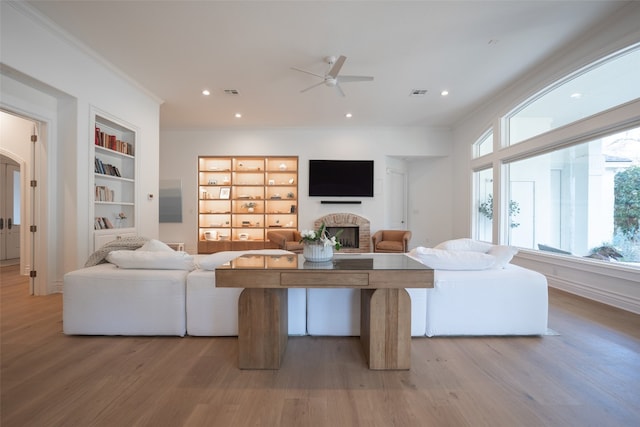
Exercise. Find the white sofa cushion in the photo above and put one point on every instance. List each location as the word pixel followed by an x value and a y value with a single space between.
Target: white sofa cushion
pixel 440 259
pixel 464 244
pixel 151 260
pixel 509 301
pixel 107 300
pixel 154 245
pixel 503 255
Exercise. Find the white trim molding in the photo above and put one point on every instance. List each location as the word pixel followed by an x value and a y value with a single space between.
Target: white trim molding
pixel 610 283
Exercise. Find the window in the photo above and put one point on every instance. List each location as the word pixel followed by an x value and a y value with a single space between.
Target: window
pixel 483 190
pixel 484 145
pixel 572 191
pixel 604 85
pixel 582 200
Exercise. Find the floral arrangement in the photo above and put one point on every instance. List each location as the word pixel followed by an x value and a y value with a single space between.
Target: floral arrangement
pixel 249 205
pixel 122 215
pixel 321 236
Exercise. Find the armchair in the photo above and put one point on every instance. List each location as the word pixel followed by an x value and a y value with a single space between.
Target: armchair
pixel 391 240
pixel 288 240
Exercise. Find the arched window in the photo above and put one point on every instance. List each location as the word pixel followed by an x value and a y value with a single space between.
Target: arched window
pixel 605 84
pixel 569 172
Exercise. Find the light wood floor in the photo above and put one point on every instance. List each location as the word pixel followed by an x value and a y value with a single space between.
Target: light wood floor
pixel 589 375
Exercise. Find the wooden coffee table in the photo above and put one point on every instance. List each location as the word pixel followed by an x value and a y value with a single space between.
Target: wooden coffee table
pixel 385 313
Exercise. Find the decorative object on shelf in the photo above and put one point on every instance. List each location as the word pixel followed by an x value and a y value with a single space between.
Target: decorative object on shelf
pixel 211 235
pixel 290 195
pixel 318 245
pixel 225 192
pixel 121 219
pixel 283 167
pixel 249 206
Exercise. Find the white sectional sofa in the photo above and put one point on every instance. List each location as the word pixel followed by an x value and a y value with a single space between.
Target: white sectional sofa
pixel 107 300
pixel 473 294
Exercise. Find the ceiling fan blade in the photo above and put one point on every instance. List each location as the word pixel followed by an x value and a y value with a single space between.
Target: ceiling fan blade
pixel 307 72
pixel 312 86
pixel 348 79
pixel 339 89
pixel 336 66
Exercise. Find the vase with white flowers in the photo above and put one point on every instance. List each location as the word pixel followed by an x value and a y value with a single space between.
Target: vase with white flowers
pixel 318 245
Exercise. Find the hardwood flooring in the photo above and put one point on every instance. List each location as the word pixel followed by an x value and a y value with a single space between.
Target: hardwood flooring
pixel 589 375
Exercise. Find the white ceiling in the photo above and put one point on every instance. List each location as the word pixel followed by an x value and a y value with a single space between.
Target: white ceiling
pixel 175 49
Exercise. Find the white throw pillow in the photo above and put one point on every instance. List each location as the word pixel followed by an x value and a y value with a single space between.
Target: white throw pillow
pixel 148 260
pixel 210 262
pixel 155 246
pixel 503 255
pixel 464 245
pixel 440 259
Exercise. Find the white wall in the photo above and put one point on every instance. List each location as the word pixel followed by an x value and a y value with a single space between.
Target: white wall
pixel 46 61
pixel 429 149
pixel 616 286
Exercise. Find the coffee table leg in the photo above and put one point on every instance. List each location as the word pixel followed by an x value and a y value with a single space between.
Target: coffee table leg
pixel 385 328
pixel 263 328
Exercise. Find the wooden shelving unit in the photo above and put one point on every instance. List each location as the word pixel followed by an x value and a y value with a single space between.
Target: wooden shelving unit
pixel 241 198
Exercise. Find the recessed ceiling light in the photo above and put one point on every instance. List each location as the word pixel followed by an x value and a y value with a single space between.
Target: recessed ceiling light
pixel 576 95
pixel 238 115
pixel 206 92
pixel 444 93
pixel 348 115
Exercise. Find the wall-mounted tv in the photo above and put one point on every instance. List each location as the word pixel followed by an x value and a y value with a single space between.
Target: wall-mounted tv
pixel 341 178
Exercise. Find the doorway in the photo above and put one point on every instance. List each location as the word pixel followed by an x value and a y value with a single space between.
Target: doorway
pixel 10 196
pixel 397 199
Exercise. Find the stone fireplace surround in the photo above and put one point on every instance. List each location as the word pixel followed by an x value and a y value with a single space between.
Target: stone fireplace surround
pixel 349 220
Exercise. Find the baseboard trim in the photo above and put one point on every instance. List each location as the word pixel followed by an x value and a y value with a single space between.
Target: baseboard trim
pixel 624 302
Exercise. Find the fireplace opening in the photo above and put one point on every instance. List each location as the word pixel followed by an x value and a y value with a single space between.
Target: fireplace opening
pixel 350 237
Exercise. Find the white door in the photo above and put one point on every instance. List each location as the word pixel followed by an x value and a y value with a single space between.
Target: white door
pixel 9 211
pixel 397 207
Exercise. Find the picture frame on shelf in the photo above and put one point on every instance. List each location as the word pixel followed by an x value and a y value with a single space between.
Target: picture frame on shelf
pixel 225 192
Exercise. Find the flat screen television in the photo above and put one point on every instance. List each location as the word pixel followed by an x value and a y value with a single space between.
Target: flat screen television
pixel 341 178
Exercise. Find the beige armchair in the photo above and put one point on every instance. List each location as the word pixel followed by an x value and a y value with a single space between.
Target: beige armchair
pixel 286 239
pixel 391 240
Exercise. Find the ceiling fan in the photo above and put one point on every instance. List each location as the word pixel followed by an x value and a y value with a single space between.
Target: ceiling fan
pixel 332 78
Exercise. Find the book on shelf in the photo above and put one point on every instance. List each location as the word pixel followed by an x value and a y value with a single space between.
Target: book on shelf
pixel 102 223
pixel 104 194
pixel 105 140
pixel 107 222
pixel 106 168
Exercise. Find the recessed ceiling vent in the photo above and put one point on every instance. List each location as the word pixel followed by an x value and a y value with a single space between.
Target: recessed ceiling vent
pixel 232 92
pixel 418 92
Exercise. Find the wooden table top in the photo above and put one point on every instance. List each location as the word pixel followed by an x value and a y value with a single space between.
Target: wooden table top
pixel 343 271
